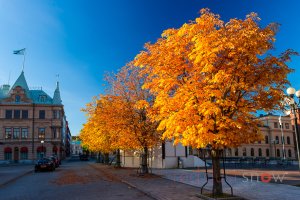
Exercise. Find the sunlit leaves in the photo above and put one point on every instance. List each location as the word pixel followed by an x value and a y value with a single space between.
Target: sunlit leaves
pixel 209 77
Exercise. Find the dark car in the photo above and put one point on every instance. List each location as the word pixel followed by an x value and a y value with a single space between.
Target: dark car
pixel 55 160
pixel 44 164
pixel 84 157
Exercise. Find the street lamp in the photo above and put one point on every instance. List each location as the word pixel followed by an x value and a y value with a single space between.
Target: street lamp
pixel 42 142
pixel 294 106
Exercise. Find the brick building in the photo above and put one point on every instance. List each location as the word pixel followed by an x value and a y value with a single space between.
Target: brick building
pixel 32 124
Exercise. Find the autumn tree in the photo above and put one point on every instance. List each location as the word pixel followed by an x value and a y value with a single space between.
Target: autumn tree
pixel 132 115
pixel 210 77
pixel 119 119
pixel 95 133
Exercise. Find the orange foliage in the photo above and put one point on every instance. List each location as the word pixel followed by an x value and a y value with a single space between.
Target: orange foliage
pixel 210 77
pixel 119 120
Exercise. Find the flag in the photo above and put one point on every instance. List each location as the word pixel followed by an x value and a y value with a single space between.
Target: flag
pixel 20 52
pixel 279 119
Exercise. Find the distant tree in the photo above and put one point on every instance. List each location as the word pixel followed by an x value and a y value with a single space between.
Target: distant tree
pixel 119 120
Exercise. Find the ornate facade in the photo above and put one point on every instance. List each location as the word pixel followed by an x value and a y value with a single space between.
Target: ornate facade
pixel 32 124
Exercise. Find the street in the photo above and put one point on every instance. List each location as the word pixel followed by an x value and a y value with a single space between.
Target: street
pixel 72 180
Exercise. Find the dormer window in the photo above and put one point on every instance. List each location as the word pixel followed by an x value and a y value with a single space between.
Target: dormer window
pixel 17 98
pixel 42 98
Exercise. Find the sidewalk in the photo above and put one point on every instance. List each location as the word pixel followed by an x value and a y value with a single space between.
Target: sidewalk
pixel 10 173
pixel 242 186
pixel 152 185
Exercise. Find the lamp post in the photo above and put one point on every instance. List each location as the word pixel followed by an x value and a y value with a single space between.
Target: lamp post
pixel 290 101
pixel 42 142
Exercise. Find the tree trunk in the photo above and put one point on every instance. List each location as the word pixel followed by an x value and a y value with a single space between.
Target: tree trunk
pixel 217 181
pixel 144 161
pixel 118 158
pixel 98 157
pixel 106 158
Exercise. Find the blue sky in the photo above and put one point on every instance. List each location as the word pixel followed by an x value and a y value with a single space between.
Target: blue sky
pixel 81 40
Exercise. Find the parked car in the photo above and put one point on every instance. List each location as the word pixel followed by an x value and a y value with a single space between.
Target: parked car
pixel 84 157
pixel 55 160
pixel 44 164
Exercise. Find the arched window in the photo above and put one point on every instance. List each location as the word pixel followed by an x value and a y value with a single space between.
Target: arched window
pixel 277 152
pixel 41 151
pixel 54 150
pixel 277 140
pixel 266 139
pixel 288 140
pixel 252 152
pixel 259 152
pixel 24 153
pixel 267 152
pixel 236 153
pixel 244 152
pixel 8 153
pixel 289 153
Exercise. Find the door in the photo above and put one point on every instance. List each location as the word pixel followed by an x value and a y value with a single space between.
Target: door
pixel 16 154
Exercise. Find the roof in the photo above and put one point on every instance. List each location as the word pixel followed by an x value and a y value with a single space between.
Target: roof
pixel 37 96
pixel 40 97
pixel 56 97
pixel 21 81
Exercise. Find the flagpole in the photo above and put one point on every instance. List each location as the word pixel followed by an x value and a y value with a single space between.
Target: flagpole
pixel 24 61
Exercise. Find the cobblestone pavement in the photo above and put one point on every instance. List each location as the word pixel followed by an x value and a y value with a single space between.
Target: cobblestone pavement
pixel 242 186
pixel 73 180
pixel 153 185
pixel 10 173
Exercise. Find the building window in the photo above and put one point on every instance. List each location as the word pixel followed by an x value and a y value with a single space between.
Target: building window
pixel 252 152
pixel 266 139
pixel 17 114
pixel 42 98
pixel 16 133
pixel 229 152
pixel 244 152
pixel 236 153
pixel 55 132
pixel 24 153
pixel 17 98
pixel 56 114
pixel 267 152
pixel 277 152
pixel 41 133
pixel 276 140
pixel 288 140
pixel 275 125
pixel 289 153
pixel 41 151
pixel 259 152
pixel 54 150
pixel 7 133
pixel 293 127
pixel 8 114
pixel 24 133
pixel 7 153
pixel 287 126
pixel 42 114
pixel 24 114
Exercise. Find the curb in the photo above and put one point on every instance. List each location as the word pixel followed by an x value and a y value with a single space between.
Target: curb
pixel 15 178
pixel 155 197
pixel 144 192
